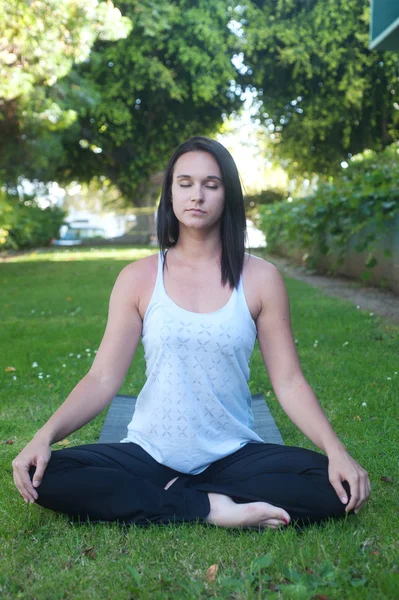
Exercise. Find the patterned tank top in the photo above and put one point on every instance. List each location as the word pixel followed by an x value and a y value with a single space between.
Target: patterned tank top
pixel 195 406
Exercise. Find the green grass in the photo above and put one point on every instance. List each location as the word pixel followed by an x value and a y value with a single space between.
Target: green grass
pixel 54 304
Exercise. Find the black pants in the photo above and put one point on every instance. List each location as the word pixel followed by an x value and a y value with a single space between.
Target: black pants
pixel 122 482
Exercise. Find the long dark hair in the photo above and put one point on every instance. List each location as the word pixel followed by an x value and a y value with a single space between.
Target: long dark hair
pixel 233 229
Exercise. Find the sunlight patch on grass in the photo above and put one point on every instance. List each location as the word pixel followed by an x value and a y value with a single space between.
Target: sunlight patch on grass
pixel 79 254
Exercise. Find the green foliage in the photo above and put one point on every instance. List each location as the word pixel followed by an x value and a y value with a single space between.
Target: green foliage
pixel 39 44
pixel 367 194
pixel 253 201
pixel 126 104
pixel 23 224
pixel 324 95
pixel 40 41
pixel 168 80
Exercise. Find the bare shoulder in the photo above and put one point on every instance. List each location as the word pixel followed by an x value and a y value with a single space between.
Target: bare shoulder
pixel 267 280
pixel 141 267
pixel 134 276
pixel 259 267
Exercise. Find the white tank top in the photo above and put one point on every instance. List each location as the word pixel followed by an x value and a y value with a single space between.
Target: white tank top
pixel 195 406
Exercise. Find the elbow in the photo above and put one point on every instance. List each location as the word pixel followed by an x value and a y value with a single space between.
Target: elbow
pixel 105 381
pixel 295 380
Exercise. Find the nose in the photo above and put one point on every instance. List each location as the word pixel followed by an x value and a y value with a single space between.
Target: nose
pixel 197 197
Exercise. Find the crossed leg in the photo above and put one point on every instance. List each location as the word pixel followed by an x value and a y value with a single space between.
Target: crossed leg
pixel 226 513
pixel 115 482
pixel 270 482
pixel 259 485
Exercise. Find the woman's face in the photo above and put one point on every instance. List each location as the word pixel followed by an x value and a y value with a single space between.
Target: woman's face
pixel 197 183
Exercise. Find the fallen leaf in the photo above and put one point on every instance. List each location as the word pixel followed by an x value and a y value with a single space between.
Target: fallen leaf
pixel 10 369
pixel 9 442
pixel 63 442
pixel 91 552
pixel 375 552
pixel 386 479
pixel 51 385
pixel 211 572
pixel 68 565
pixel 320 597
pixel 357 418
pixel 68 298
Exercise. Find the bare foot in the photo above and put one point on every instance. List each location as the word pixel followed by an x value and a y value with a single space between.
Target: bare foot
pixel 226 513
pixel 170 483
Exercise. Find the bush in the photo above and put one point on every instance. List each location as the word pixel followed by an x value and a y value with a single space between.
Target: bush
pixel 253 201
pixel 23 224
pixel 366 194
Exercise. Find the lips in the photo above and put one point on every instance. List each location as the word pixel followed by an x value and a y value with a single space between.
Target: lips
pixel 195 210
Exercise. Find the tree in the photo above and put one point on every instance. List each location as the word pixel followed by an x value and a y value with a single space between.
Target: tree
pixel 324 95
pixel 129 103
pixel 170 79
pixel 40 41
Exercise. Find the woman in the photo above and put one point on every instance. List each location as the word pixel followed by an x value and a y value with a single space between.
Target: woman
pixel 190 452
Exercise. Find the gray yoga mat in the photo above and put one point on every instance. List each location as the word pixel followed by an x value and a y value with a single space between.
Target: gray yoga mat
pixel 121 410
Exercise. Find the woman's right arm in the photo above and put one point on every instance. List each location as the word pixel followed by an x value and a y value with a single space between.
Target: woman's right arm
pixel 97 388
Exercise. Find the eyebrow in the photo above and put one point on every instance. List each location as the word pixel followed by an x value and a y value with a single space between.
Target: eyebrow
pixel 208 177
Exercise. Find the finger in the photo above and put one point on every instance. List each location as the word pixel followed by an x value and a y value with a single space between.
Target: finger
pixel 29 487
pixel 363 495
pixel 27 484
pixel 38 476
pixel 28 490
pixel 340 490
pixel 355 494
pixel 21 487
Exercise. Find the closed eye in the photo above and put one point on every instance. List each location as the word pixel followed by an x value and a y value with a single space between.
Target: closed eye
pixel 208 186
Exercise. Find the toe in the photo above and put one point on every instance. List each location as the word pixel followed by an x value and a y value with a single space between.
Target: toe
pixel 273 523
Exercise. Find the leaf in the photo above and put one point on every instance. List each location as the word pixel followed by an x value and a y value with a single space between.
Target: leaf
pixel 211 572
pixel 134 573
pixel 386 479
pixel 292 575
pixel 63 442
pixel 327 570
pixel 51 385
pixel 10 369
pixel 90 552
pixel 358 582
pixel 298 589
pixel 234 583
pixel 9 442
pixel 69 298
pixel 371 262
pixel 262 562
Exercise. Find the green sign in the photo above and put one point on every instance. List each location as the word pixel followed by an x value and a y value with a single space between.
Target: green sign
pixel 384 25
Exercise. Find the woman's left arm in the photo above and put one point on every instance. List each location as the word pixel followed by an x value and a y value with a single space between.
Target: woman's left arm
pixel 295 394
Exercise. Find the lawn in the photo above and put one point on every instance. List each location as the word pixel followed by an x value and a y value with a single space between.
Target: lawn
pixel 54 307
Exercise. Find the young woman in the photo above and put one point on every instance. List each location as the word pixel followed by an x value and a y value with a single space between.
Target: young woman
pixel 190 453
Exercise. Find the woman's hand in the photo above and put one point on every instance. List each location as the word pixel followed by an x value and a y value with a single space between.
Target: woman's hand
pixel 342 467
pixel 36 453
